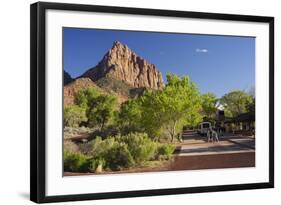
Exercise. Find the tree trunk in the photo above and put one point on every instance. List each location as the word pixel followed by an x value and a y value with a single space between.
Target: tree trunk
pixel 173 131
pixel 102 125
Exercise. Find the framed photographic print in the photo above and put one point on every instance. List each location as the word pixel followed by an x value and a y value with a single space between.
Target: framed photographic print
pixel 129 102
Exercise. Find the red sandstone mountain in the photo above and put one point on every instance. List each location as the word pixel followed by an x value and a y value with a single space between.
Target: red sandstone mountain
pixel 121 72
pixel 121 63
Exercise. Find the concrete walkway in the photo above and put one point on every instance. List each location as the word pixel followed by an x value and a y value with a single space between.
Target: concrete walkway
pixel 194 144
pixel 232 151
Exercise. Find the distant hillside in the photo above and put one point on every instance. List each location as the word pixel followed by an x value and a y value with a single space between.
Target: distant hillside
pixel 66 78
pixel 84 83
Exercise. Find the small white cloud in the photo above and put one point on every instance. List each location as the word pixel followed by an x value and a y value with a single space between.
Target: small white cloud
pixel 201 50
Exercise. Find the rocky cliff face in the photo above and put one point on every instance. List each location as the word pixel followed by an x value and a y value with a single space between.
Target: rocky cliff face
pixel 121 63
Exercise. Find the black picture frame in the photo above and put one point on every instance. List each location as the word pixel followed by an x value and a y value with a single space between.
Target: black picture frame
pixel 38 101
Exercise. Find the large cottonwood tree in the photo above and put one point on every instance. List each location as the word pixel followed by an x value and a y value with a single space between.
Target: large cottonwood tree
pixel 178 104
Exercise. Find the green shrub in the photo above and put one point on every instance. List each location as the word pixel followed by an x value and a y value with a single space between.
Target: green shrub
pixel 70 146
pixel 141 147
pixel 165 150
pixel 118 157
pixel 76 162
pixel 114 154
pixel 117 152
pixel 97 147
pixel 85 148
pixel 74 115
pixel 101 147
pixel 96 162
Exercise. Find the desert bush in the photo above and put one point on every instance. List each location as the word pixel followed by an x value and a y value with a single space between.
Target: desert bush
pixel 85 148
pixel 70 146
pixel 114 154
pixel 141 147
pixel 74 115
pixel 118 157
pixel 165 150
pixel 117 152
pixel 96 162
pixel 100 147
pixel 76 161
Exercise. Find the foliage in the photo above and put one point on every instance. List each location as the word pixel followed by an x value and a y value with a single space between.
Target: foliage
pixel 96 162
pixel 251 106
pixel 156 112
pixel 103 110
pixel 99 108
pixel 119 157
pixel 129 116
pixel 151 115
pixel 236 102
pixel 76 161
pixel 124 151
pixel 86 98
pixel 166 150
pixel 74 115
pixel 113 154
pixel 209 101
pixel 100 148
pixel 141 147
pixel 178 104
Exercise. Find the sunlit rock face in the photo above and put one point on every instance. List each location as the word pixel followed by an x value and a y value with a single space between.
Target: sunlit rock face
pixel 121 63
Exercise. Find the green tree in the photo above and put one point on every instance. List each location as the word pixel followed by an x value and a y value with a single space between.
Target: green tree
pixel 99 108
pixel 178 104
pixel 129 116
pixel 74 115
pixel 236 102
pixel 251 105
pixel 86 98
pixel 151 115
pixel 209 101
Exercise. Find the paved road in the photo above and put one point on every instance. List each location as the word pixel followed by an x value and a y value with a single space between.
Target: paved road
pixel 196 147
pixel 194 144
pixel 231 151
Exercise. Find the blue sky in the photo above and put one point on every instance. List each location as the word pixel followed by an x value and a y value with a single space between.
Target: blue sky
pixel 217 64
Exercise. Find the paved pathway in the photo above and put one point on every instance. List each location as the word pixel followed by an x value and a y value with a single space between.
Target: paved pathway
pixel 230 152
pixel 194 144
